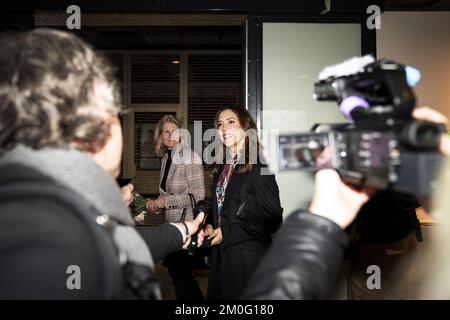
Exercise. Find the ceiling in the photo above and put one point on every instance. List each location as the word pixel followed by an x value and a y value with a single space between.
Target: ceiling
pixel 163 37
pixel 242 6
pixel 417 5
pixel 209 29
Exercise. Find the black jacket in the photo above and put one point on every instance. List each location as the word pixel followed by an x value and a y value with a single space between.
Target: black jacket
pixel 245 237
pixel 162 239
pixel 42 234
pixel 388 217
pixel 303 261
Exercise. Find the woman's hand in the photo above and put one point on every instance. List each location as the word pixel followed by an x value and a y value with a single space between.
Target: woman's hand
pixel 151 206
pixel 214 234
pixel 160 202
pixel 216 237
pixel 127 194
pixel 208 230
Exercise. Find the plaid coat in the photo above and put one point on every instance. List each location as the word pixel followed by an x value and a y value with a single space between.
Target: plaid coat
pixel 185 176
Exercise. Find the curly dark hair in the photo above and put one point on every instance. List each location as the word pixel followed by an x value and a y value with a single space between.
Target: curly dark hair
pixel 47 83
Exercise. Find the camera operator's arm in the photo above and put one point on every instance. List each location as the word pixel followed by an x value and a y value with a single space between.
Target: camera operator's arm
pixel 168 238
pixel 302 262
pixel 307 252
pixel 191 228
pixel 428 114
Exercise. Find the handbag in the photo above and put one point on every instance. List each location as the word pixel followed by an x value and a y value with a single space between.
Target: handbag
pixel 193 204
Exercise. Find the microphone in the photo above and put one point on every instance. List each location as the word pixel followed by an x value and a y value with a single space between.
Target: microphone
pixel 201 206
pixel 346 68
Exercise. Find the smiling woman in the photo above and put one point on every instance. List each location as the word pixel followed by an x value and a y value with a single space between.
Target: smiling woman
pixel 230 130
pixel 246 206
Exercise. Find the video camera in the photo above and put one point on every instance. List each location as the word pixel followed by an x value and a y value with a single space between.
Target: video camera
pixel 382 146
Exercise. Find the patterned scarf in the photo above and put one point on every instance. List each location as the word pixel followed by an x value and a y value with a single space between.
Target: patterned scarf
pixel 221 188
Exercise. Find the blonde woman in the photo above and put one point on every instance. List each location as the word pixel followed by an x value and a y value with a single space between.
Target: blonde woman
pixel 181 182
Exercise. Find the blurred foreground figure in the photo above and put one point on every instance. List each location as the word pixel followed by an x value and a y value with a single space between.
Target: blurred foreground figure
pixel 307 251
pixel 65 231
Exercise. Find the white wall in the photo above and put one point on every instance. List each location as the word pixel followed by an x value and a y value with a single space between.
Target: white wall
pixel 293 56
pixel 421 39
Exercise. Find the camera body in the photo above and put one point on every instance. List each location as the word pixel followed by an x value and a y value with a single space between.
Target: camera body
pixel 372 158
pixel 382 146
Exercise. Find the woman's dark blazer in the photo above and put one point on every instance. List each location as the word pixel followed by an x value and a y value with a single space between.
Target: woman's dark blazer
pixel 247 236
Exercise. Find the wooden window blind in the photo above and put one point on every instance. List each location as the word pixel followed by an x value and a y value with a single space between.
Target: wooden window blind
pixel 214 81
pixel 155 78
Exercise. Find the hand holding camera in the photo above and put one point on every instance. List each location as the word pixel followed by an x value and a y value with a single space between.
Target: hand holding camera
pixel 383 142
pixel 197 239
pixel 346 200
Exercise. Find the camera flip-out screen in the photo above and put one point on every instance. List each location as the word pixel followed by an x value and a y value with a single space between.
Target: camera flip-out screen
pixel 304 151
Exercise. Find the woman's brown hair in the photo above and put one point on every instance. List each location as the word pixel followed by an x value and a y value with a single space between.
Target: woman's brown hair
pixel 251 147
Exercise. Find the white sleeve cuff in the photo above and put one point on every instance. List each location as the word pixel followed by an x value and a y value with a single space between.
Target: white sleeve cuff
pixel 182 231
